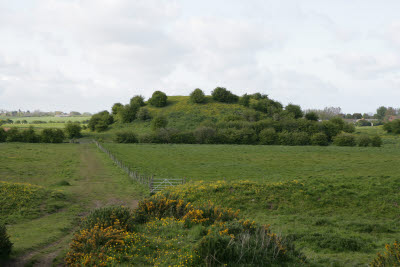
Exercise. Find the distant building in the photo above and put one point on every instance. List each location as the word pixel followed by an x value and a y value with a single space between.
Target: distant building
pixel 392 118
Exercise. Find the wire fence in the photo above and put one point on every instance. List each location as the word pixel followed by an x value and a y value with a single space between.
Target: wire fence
pixel 155 184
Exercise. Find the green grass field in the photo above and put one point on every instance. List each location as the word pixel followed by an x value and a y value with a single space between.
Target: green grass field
pixel 344 213
pixel 57 185
pixel 52 122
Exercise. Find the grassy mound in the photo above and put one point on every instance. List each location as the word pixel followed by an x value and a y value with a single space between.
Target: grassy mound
pixel 167 230
pixel 27 201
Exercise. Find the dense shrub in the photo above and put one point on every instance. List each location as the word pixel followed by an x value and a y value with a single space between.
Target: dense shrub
pixel 319 139
pixel 312 116
pixel 13 135
pixel 295 110
pixel 73 130
pixel 152 137
pixel 364 123
pixel 268 137
pixel 376 141
pixel 183 138
pixel 197 96
pixel 251 115
pixel 221 94
pixel 29 136
pixel 330 129
pixel 159 122
pixel 137 100
pixel 391 257
pixel 237 136
pixel 52 136
pixel 244 100
pixel 392 126
pixel 3 135
pixel 116 108
pixel 364 140
pixel 339 122
pixel 344 139
pixel 126 137
pixel 301 139
pixel 158 99
pixel 143 114
pixel 205 135
pixel 107 216
pixel 285 138
pixel 100 121
pixel 128 113
pixel 349 128
pixel 5 243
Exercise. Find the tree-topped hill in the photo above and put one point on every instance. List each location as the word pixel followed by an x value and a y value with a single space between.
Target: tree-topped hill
pixel 220 118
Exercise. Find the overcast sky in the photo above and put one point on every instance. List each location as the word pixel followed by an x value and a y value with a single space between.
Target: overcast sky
pixel 86 55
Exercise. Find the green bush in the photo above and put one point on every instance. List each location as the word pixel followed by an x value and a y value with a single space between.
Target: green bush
pixel 301 139
pixel 3 135
pixel 392 126
pixel 13 135
pixel 244 100
pixel 143 114
pixel 319 139
pixel 330 129
pixel 197 96
pixel 268 137
pixel 116 108
pixel 205 135
pixel 158 99
pixel 285 138
pixel 344 139
pixel 376 141
pixel 391 257
pixel 220 94
pixel 107 216
pixel 5 243
pixel 128 113
pixel 159 122
pixel 100 121
pixel 137 100
pixel 312 116
pixel 364 140
pixel 349 128
pixel 126 137
pixel 73 130
pixel 52 136
pixel 29 136
pixel 295 110
pixel 183 138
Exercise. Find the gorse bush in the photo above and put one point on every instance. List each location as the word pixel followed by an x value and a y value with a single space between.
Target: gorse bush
pixel 5 243
pixel 108 216
pixel 158 99
pixel 197 96
pixel 391 257
pixel 221 94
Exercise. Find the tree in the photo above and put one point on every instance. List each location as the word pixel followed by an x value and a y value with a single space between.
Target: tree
pixel 73 130
pixel 244 100
pixel 159 122
pixel 197 96
pixel 100 121
pixel 312 116
pixel 295 110
pixel 158 99
pixel 220 94
pixel 137 100
pixel 381 112
pixel 116 108
pixel 143 114
pixel 127 113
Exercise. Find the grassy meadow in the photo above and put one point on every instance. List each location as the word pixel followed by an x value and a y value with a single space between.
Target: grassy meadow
pixel 51 122
pixel 46 188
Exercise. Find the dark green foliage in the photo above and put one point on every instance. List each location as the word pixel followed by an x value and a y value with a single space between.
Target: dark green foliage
pixel 52 136
pixel 221 94
pixel 126 137
pixel 158 99
pixel 330 129
pixel 127 113
pixel 339 122
pixel 159 122
pixel 268 137
pixel 349 128
pixel 100 121
pixel 301 139
pixel 137 100
pixel 251 115
pixel 364 140
pixel 105 217
pixel 244 100
pixel 143 114
pixel 29 136
pixel 205 135
pixel 295 110
pixel 337 243
pixel 115 108
pixel 319 139
pixel 183 138
pixel 376 141
pixel 197 96
pixel 392 126
pixel 381 112
pixel 266 105
pixel 13 135
pixel 364 123
pixel 73 130
pixel 3 135
pixel 237 136
pixel 345 139
pixel 5 243
pixel 312 116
